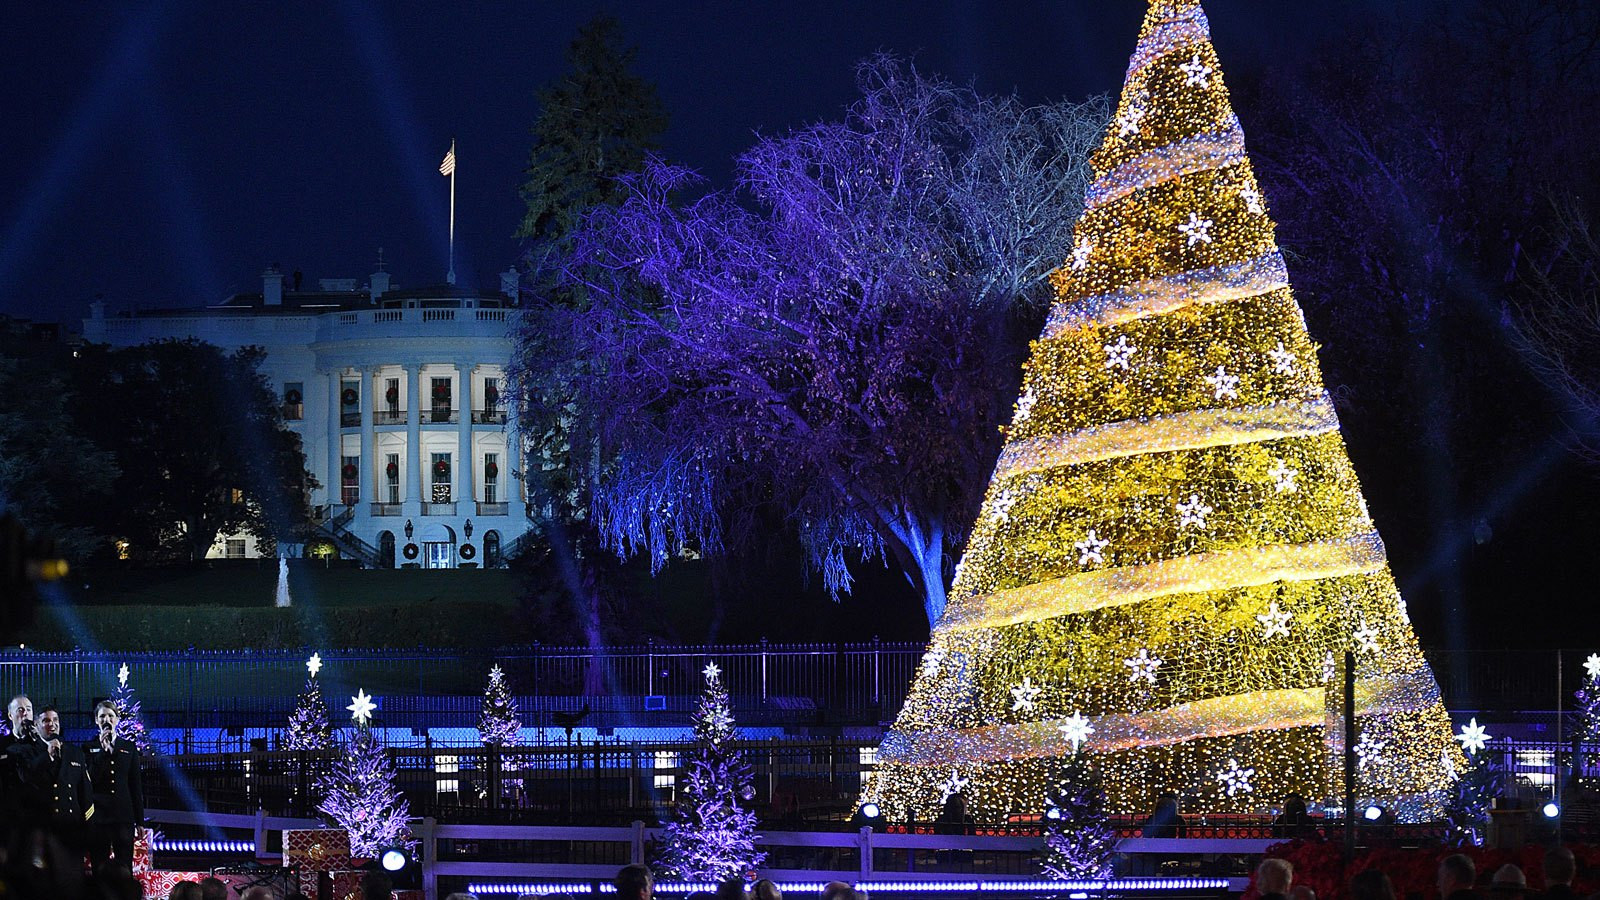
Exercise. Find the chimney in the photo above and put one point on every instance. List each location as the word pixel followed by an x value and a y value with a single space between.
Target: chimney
pixel 272 286
pixel 511 284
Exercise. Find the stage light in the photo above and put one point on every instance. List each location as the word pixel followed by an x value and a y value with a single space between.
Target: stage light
pixel 870 811
pixel 394 859
pixel 1373 813
pixel 1551 810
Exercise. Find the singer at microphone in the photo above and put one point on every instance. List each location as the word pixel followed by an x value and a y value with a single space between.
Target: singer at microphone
pixel 24 757
pixel 114 771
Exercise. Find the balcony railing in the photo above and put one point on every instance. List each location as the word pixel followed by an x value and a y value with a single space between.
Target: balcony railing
pixel 438 509
pixel 488 417
pixel 493 509
pixel 388 417
pixel 349 419
pixel 441 415
pixel 386 509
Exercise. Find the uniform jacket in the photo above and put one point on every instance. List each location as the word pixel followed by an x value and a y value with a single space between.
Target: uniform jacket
pixel 118 788
pixel 67 781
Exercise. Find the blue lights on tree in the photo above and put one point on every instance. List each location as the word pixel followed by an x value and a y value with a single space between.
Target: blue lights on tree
pixel 711 838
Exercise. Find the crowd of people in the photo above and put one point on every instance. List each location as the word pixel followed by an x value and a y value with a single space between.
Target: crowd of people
pixel 1456 879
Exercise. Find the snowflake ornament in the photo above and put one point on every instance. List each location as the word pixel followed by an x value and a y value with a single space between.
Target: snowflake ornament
pixel 1366 637
pixel 1120 354
pixel 1193 512
pixel 1195 71
pixel 1129 120
pixel 1592 665
pixel 1223 385
pixel 1252 200
pixel 1274 621
pixel 1024 406
pixel 955 784
pixel 1283 477
pixel 1143 666
pixel 1236 778
pixel 122 676
pixel 1197 230
pixel 1369 749
pixel 1075 730
pixel 1091 550
pixel 1282 360
pixel 314 664
pixel 711 671
pixel 1473 737
pixel 361 707
pixel 1000 507
pixel 1024 695
pixel 1081 249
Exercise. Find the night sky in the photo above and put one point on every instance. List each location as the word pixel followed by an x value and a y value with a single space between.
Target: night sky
pixel 163 154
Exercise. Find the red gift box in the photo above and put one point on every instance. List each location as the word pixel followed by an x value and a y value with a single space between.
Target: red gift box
pixel 317 849
pixel 141 851
pixel 344 884
pixel 158 884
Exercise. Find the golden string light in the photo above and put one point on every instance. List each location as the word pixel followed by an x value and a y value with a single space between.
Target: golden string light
pixel 1174 555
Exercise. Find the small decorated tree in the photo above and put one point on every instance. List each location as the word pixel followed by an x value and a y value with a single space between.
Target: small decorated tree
pixel 1078 838
pixel 360 796
pixel 1466 810
pixel 129 726
pixel 711 837
pixel 1587 708
pixel 499 726
pixel 309 728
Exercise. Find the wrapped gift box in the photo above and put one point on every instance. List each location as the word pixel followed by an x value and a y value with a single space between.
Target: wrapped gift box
pixel 344 884
pixel 406 895
pixel 317 849
pixel 158 884
pixel 141 851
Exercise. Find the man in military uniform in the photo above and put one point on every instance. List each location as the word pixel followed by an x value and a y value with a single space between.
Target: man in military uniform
pixel 67 780
pixel 118 791
pixel 23 756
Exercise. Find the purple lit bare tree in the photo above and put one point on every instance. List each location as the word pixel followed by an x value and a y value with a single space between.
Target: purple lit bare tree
pixel 838 339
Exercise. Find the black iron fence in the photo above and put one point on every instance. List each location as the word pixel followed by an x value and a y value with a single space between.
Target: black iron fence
pixel 771 684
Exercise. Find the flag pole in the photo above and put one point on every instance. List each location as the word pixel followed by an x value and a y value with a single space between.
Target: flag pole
pixel 451 277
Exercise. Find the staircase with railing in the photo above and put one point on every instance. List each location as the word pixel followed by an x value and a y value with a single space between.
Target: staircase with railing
pixel 349 543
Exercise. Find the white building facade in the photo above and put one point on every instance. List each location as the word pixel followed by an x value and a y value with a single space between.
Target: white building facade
pixel 399 399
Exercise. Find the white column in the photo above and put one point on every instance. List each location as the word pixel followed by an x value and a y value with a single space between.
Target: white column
pixel 412 497
pixel 334 480
pixel 465 494
pixel 369 468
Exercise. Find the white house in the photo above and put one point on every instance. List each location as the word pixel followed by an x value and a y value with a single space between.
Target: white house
pixel 397 396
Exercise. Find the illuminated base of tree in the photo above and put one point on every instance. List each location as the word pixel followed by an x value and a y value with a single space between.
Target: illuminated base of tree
pixel 1262 768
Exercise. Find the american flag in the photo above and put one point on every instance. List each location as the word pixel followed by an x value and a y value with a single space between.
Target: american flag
pixel 448 167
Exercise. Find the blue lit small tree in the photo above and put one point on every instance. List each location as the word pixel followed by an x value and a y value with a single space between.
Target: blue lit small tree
pixel 129 726
pixel 711 837
pixel 1078 838
pixel 360 795
pixel 309 728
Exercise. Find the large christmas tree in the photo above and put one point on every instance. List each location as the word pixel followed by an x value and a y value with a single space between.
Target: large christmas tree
pixel 1174 554
pixel 711 838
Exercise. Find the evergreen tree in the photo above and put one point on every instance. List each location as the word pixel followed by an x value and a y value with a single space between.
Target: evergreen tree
pixel 499 725
pixel 309 728
pixel 597 123
pixel 129 726
pixel 360 795
pixel 1587 696
pixel 1078 838
pixel 1174 549
pixel 1466 812
pixel 711 837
